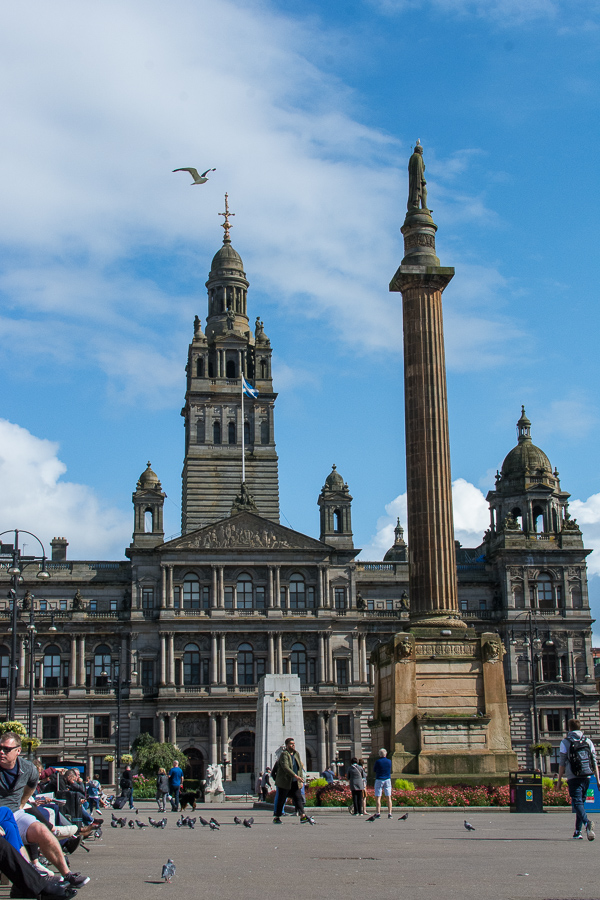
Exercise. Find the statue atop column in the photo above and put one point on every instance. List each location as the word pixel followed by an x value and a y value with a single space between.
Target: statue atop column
pixel 417 192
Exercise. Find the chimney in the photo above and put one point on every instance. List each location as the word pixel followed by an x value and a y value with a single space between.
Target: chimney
pixel 59 549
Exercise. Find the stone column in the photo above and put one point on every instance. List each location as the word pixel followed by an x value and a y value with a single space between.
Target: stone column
pixel 212 733
pixel 90 764
pixel 163 660
pixel 171 592
pixel 330 669
pixel 22 662
pixel 270 589
pixel 214 598
pixel 421 280
pixel 42 674
pixel 271 660
pixel 321 741
pixel 171 658
pixel 81 661
pixel 161 727
pixel 279 655
pixel 333 735
pixel 526 593
pixel 173 727
pixel 320 603
pixel 277 573
pixel 356 733
pixel 221 599
pixel 364 670
pixel 355 660
pixel 222 663
pixel 322 666
pixel 73 665
pixel 224 736
pixel 326 599
pixel 214 659
pixel 163 593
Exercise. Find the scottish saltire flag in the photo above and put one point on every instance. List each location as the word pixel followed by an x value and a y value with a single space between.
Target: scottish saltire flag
pixel 248 390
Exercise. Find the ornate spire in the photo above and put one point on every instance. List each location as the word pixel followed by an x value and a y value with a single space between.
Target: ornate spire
pixel 524 427
pixel 226 224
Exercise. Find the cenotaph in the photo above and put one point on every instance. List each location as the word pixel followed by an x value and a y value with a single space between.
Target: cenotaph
pixel 440 696
pixel 278 716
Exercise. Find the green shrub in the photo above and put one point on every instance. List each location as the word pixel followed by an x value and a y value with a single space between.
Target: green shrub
pixel 548 784
pixel 319 782
pixel 401 784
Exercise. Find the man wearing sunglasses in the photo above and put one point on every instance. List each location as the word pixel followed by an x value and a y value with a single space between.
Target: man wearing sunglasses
pixel 18 780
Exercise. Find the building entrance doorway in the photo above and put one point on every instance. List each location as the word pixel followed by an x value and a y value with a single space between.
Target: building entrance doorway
pixel 195 763
pixel 242 754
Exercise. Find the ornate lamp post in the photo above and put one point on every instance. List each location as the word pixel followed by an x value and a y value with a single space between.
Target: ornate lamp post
pixel 15 570
pixel 118 686
pixel 533 644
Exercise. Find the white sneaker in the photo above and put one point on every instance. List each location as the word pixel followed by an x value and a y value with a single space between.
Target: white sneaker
pixel 64 831
pixel 40 869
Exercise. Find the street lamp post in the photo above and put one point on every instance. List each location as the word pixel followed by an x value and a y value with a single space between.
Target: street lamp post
pixel 118 686
pixel 533 643
pixel 14 570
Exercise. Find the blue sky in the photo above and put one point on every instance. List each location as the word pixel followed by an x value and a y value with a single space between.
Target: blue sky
pixel 309 112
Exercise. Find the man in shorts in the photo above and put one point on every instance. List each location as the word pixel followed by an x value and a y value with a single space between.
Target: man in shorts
pixel 18 780
pixel 383 782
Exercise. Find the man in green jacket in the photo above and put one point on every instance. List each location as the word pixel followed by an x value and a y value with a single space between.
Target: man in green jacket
pixel 289 780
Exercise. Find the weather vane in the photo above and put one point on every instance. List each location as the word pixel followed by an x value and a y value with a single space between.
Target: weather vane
pixel 226 224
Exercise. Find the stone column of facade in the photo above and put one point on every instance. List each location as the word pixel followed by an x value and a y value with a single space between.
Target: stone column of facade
pixel 171 658
pixel 355 661
pixel 326 598
pixel 214 659
pixel 319 587
pixel 163 660
pixel 351 588
pixel 161 727
pixel 333 735
pixel 221 598
pixel 214 597
pixel 73 664
pixel 163 586
pixel 279 655
pixel 170 588
pixel 329 657
pixel 322 666
pixel 567 596
pixel 222 660
pixel 277 573
pixel 271 659
pixel 356 733
pixel 421 280
pixel 364 669
pixel 212 736
pixel 321 741
pixel 173 727
pixel 270 589
pixel 90 764
pixel 224 737
pixel 526 598
pixel 81 661
pixel 42 674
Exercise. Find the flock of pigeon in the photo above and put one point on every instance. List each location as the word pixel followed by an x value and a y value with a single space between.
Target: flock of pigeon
pixel 182 822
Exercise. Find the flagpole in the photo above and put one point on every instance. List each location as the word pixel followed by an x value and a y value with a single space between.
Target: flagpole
pixel 243 433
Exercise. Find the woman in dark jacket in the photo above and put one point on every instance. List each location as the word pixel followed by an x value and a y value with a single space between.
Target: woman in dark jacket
pixel 126 785
pixel 356 780
pixel 162 790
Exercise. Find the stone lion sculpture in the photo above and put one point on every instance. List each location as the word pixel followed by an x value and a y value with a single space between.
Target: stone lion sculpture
pixel 214 779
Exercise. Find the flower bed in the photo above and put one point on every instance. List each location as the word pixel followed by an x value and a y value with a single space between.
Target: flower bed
pixel 339 794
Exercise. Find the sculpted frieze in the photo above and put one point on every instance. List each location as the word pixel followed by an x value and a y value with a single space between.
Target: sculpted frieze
pixel 431 648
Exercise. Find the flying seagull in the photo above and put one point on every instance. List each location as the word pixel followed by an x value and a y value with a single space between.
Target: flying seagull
pixel 198 179
pixel 168 870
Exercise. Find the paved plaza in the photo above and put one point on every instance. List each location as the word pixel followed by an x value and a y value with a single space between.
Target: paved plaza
pixel 428 856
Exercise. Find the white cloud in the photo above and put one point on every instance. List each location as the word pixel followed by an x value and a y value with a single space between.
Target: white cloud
pixel 587 513
pixel 471 518
pixel 36 499
pixel 101 102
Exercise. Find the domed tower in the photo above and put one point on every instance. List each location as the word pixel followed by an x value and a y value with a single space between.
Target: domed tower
pixel 527 496
pixel 397 552
pixel 214 429
pixel 148 501
pixel 335 504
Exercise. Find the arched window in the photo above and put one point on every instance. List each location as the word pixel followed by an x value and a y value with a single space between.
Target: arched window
pixel 102 663
pixel 538 518
pixel 200 367
pixel 298 662
pixel 545 598
pixel 191 592
pixel 245 664
pixel 200 431
pixel 4 667
pixel 247 433
pixel 297 592
pixel 230 369
pixel 148 521
pixel 231 433
pixel 337 521
pixel 263 368
pixel 52 666
pixel 216 433
pixel 517 514
pixel 244 592
pixel 191 665
pixel 549 665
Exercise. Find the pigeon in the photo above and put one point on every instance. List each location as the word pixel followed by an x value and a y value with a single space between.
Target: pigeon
pixel 214 822
pixel 180 820
pixel 203 821
pixel 372 818
pixel 237 820
pixel 113 824
pixel 403 818
pixel 168 870
pixel 154 823
pixel 140 824
pixel 468 826
pixel 248 823
pixel 191 823
pixel 132 824
pixel 163 822
pixel 98 833
pixel 213 826
pixel 198 179
pixel 122 823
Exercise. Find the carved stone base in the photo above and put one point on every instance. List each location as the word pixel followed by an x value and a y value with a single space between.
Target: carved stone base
pixel 437 620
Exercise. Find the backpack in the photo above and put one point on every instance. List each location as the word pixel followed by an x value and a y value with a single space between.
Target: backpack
pixel 273 774
pixel 580 757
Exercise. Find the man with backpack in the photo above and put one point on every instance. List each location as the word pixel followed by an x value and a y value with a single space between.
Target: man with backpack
pixel 577 764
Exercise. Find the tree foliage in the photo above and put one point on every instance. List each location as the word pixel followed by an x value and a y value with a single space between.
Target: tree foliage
pixel 150 755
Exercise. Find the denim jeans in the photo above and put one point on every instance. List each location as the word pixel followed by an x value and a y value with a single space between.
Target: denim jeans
pixel 175 797
pixel 577 792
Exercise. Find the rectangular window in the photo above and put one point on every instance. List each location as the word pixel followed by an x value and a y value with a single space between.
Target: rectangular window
pixel 482 604
pixel 63 604
pixel 389 605
pixel 340 598
pixel 88 673
pixel 65 673
pixel 341 671
pixel 464 606
pixel 50 728
pixel 261 667
pixel 101 728
pixel 228 598
pixel 205 671
pixel 312 670
pixel 553 720
pixel 260 597
pixel 371 604
pixel 148 673
pixel 344 726
pixel 101 770
pixel 282 602
pixel 113 605
pixel 148 598
pixel 310 597
pixel 177 597
pixel 147 725
pixel 43 605
pixel 229 671
pixel 205 597
pixel 93 605
pixel 177 671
